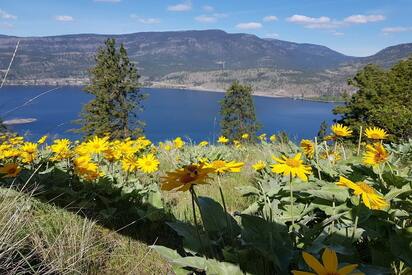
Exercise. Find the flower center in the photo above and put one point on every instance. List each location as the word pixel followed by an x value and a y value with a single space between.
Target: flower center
pixel 12 170
pixel 292 162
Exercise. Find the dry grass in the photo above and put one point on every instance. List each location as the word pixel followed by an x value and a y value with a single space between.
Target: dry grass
pixel 37 238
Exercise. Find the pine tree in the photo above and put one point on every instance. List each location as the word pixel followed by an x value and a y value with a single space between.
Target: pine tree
pixel 384 99
pixel 237 112
pixel 114 83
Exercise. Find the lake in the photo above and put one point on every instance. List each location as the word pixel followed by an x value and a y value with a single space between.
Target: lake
pixel 168 113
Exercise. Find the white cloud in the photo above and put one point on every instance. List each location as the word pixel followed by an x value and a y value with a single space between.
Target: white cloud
pixel 324 22
pixel 206 19
pixel 186 6
pixel 208 8
pixel 338 33
pixel 64 18
pixel 108 1
pixel 6 15
pixel 249 26
pixel 363 19
pixel 389 30
pixel 270 18
pixel 146 21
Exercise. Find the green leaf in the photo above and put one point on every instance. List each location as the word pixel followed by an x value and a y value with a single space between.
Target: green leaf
pixel 397 192
pixel 394 180
pixel 209 266
pixel 214 217
pixel 248 190
pixel 330 192
pixel 189 235
pixel 167 253
pixel 271 239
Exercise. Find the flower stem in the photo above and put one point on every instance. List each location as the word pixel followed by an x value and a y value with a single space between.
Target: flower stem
pixel 192 192
pixel 355 227
pixel 359 141
pixel 291 201
pixel 317 158
pixel 229 225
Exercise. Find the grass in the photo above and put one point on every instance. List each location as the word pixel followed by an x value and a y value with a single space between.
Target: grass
pixel 39 238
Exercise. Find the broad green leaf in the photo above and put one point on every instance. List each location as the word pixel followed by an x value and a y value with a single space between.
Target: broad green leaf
pixel 166 252
pixel 214 217
pixel 397 192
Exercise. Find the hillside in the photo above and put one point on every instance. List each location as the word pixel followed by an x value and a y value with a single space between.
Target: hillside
pixel 162 55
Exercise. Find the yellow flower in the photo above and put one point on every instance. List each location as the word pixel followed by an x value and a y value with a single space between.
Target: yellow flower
pixel 259 165
pixel 331 156
pixel 129 163
pixel 376 133
pixel 262 137
pixel 375 154
pixel 142 142
pixel 10 170
pixel 148 164
pixel 203 143
pixel 329 267
pixel 292 167
pixel 126 148
pixel 328 138
pixel 86 169
pixel 370 197
pixel 61 149
pixel 178 142
pixel 221 166
pixel 308 147
pixel 341 131
pixel 223 140
pixel 42 140
pixel 272 138
pixel 29 152
pixel 9 152
pixel 245 136
pixel 237 143
pixel 184 178
pixel 97 145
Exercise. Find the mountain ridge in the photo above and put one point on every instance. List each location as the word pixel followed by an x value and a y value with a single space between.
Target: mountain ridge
pixel 178 56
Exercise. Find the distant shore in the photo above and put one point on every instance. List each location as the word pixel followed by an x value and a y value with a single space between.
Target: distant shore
pixel 159 85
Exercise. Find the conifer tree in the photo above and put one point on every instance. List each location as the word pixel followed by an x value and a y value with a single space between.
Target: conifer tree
pixel 384 99
pixel 114 84
pixel 237 112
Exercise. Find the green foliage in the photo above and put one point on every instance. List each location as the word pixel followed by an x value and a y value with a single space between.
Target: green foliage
pixel 323 128
pixel 117 98
pixel 238 112
pixel 384 99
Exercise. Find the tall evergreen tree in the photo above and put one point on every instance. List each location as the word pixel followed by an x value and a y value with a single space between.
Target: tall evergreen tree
pixel 114 83
pixel 237 112
pixel 384 99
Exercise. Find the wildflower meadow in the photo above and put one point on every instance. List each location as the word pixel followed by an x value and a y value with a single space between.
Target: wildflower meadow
pixel 340 205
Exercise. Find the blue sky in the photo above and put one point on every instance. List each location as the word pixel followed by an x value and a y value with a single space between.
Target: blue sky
pixel 353 27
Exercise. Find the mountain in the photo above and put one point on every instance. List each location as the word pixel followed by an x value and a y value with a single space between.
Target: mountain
pixel 162 56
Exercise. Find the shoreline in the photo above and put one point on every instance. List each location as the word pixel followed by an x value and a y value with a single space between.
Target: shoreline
pixel 190 88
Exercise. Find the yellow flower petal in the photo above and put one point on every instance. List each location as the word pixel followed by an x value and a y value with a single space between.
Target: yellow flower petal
pixel 313 263
pixel 330 261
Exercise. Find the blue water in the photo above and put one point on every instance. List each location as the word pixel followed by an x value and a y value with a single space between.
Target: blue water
pixel 168 113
